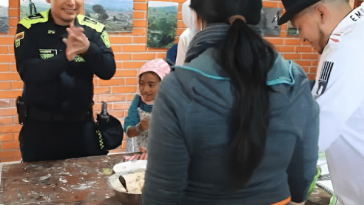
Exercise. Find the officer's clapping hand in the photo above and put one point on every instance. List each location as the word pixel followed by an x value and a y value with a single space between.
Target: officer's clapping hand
pixel 77 42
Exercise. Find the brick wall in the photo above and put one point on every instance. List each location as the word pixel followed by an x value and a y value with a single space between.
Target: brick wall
pixel 130 54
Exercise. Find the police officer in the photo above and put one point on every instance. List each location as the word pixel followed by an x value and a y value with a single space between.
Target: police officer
pixel 336 31
pixel 57 54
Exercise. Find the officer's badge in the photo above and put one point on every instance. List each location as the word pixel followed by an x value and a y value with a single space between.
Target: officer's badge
pixel 105 38
pixel 18 37
pixel 324 77
pixel 47 53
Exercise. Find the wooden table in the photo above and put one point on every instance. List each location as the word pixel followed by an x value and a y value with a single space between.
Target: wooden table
pixel 73 181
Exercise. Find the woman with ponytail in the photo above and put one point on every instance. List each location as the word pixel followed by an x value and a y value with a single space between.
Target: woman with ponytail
pixel 236 124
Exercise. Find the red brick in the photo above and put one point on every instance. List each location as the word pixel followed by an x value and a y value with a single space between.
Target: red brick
pixel 10 159
pixel 313 70
pixel 115 48
pixel 4 67
pixel 10 128
pixel 133 64
pixel 11 49
pixel 140 23
pixel 179 16
pixel 6 121
pixel 125 73
pixel 133 48
pixel 5 85
pixel 13 68
pixel 117 113
pixel 303 63
pixel 161 55
pixel 140 40
pixel 285 48
pixel 7 58
pixel 14 4
pixel 12 31
pixel 292 56
pixel 270 4
pixel 4 49
pixel 120 39
pixel 121 56
pixel 157 49
pixel 9 154
pixel 112 82
pixel 305 68
pixel 119 65
pixel 17 85
pixel 179 31
pixel 10 145
pixel 124 89
pixel 139 14
pixel 310 56
pixel 111 98
pixel 303 49
pixel 130 97
pixel 8 112
pixel 143 56
pixel 10 94
pixel 5 103
pixel 6 137
pixel 130 81
pixel 120 106
pixel 102 90
pixel 140 6
pixel 13 21
pixel 311 76
pixel 275 41
pixel 14 12
pixel 292 41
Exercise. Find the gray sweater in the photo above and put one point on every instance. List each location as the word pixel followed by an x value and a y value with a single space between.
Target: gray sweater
pixel 188 161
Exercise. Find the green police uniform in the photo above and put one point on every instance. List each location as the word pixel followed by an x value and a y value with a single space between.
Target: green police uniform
pixel 57 93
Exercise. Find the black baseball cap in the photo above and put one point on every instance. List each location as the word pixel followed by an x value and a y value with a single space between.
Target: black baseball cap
pixel 293 7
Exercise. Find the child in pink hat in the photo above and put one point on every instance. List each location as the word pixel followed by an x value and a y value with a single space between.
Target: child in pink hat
pixel 136 124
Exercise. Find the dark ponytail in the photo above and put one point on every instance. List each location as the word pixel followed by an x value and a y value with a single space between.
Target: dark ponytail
pixel 247 59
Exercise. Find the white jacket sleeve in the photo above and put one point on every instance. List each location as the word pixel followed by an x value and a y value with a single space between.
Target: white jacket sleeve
pixel 343 74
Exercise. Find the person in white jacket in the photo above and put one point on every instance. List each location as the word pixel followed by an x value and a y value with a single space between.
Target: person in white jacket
pixel 337 32
pixel 189 18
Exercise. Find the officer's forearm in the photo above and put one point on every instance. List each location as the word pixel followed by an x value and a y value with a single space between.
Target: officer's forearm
pixel 33 70
pixel 102 63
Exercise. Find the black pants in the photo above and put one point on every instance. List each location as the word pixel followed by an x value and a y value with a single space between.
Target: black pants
pixel 41 141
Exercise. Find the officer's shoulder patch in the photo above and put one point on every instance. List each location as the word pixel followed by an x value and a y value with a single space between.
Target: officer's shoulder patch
pixel 87 21
pixel 42 17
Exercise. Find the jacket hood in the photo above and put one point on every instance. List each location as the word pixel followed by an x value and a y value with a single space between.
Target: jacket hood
pixel 211 85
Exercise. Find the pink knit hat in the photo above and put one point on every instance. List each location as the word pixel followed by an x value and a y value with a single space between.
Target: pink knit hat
pixel 158 66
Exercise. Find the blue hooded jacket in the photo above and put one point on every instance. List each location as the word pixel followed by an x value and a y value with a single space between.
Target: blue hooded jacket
pixel 188 159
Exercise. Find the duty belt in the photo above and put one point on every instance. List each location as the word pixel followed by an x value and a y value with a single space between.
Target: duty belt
pixel 42 115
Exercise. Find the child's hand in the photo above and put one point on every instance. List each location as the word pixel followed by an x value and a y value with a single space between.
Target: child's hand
pixel 144 124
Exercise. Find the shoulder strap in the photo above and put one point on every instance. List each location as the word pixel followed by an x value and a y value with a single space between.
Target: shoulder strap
pixel 41 17
pixel 87 21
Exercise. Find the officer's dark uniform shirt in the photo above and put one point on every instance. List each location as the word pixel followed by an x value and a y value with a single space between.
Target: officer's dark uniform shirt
pixel 55 87
pixel 51 81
